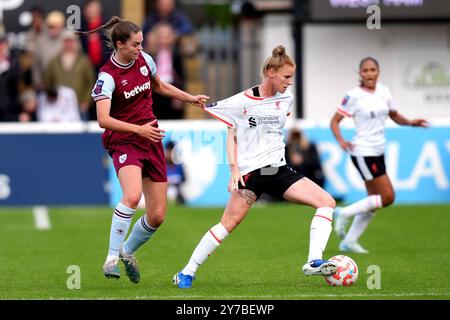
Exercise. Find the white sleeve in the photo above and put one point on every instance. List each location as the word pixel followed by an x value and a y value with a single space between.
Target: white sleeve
pixel 151 63
pixel 104 87
pixel 347 106
pixel 228 111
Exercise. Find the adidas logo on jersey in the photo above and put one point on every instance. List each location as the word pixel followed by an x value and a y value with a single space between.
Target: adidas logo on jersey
pixel 252 122
pixel 136 90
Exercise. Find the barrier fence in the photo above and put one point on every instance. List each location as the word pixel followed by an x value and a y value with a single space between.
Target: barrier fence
pixel 67 165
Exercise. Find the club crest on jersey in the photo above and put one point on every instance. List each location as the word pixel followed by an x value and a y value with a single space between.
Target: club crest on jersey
pixel 123 158
pixel 144 71
pixel 345 100
pixel 98 86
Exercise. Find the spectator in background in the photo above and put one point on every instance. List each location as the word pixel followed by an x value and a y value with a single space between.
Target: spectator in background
pixel 166 11
pixel 95 45
pixel 175 174
pixel 9 77
pixel 57 104
pixel 302 156
pixel 48 45
pixel 36 29
pixel 161 45
pixel 28 101
pixel 72 68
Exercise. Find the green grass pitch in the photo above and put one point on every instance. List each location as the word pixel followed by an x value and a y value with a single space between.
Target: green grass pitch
pixel 261 259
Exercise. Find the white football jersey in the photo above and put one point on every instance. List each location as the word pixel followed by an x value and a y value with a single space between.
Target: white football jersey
pixel 259 126
pixel 369 111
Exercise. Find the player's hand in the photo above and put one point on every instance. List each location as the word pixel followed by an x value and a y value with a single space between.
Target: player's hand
pixel 419 123
pixel 151 132
pixel 199 100
pixel 235 178
pixel 346 145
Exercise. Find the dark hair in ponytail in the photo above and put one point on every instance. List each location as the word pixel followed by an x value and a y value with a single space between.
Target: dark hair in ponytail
pixel 117 30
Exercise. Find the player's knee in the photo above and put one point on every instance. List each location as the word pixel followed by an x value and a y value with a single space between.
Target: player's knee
pixel 327 201
pixel 156 217
pixel 388 199
pixel 131 201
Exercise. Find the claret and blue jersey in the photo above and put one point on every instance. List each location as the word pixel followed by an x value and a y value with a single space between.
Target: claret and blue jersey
pixel 129 88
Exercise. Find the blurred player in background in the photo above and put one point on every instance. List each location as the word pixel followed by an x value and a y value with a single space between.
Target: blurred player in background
pixel 123 96
pixel 256 154
pixel 369 104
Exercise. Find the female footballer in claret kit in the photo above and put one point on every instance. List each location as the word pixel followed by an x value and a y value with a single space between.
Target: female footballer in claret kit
pixel 123 96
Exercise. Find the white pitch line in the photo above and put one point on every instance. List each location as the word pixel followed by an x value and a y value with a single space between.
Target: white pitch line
pixel 348 295
pixel 41 218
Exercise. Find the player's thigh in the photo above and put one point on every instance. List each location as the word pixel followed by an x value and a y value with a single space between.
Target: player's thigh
pixel 305 191
pixel 130 179
pixel 236 210
pixel 155 195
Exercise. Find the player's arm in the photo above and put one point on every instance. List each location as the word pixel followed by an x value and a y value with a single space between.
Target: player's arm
pixel 232 156
pixel 403 121
pixel 166 89
pixel 107 122
pixel 334 125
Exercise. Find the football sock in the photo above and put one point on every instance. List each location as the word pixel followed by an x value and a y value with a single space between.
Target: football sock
pixel 210 241
pixel 367 204
pixel 120 224
pixel 359 225
pixel 142 231
pixel 320 232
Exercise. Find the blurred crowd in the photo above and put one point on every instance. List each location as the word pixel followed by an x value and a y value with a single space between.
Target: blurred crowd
pixel 52 78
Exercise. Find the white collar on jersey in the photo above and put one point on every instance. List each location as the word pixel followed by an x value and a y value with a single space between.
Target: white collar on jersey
pixel 121 65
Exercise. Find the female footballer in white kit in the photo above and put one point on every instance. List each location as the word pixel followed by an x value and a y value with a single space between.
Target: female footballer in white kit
pixel 368 104
pixel 255 151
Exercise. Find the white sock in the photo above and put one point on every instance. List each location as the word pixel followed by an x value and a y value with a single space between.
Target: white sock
pixel 320 232
pixel 142 231
pixel 359 225
pixel 367 204
pixel 119 228
pixel 210 241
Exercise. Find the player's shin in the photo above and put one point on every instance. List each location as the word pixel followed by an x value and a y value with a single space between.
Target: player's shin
pixel 359 225
pixel 369 203
pixel 119 228
pixel 141 233
pixel 210 241
pixel 320 232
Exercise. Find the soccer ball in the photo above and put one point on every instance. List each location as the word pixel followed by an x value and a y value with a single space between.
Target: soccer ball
pixel 346 274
